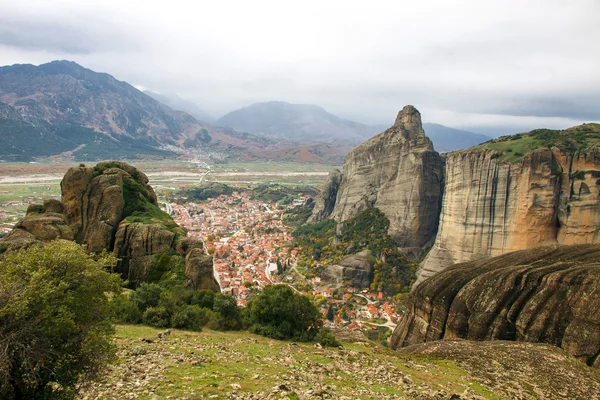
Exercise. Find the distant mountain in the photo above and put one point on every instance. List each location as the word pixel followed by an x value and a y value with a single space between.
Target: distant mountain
pixel 448 139
pixel 178 103
pixel 296 122
pixel 63 107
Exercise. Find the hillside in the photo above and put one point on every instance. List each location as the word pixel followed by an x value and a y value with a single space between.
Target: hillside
pixel 177 103
pixel 447 139
pixel 63 107
pixel 296 122
pixel 514 147
pixel 237 365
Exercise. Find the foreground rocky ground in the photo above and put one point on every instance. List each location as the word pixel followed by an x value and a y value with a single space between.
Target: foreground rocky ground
pixel 238 365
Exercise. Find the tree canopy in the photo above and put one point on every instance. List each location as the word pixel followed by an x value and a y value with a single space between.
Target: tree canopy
pixel 55 320
pixel 280 313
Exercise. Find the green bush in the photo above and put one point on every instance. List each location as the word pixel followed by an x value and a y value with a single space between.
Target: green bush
pixel 125 310
pixel 326 338
pixel 191 318
pixel 279 313
pixel 55 319
pixel 147 295
pixel 158 317
pixel 228 314
pixel 201 298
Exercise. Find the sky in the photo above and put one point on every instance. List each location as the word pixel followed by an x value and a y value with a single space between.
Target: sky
pixel 493 67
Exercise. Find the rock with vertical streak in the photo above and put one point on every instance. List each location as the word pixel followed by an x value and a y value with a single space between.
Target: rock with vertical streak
pixel 325 202
pixel 492 206
pixel 140 248
pixel 398 172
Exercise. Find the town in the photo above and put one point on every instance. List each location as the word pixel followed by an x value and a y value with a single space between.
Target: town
pixel 252 248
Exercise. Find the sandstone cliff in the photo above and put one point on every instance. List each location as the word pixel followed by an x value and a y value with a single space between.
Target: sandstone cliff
pixel 325 201
pixel 497 200
pixel 398 172
pixel 111 206
pixel 547 294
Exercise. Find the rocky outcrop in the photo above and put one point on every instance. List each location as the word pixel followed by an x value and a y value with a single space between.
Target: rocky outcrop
pixel 493 206
pixel 41 223
pixel 139 247
pixel 398 172
pixel 356 268
pixel 199 270
pixel 547 294
pixel 325 202
pixel 111 206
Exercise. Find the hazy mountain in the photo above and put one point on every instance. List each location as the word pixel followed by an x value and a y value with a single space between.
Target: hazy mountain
pixel 178 103
pixel 63 107
pixel 297 122
pixel 448 139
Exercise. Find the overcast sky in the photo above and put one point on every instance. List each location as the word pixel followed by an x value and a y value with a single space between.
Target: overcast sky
pixel 489 66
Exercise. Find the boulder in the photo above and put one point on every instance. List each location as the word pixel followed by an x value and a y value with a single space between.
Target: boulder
pixel 199 270
pixel 355 267
pixel 547 294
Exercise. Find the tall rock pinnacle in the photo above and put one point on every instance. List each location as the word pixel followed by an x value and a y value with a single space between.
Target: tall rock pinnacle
pixel 409 122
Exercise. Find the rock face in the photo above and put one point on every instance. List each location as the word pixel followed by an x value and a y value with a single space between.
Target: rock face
pixel 547 294
pixel 325 202
pixel 355 267
pixel 398 172
pixel 199 269
pixel 41 223
pixel 111 206
pixel 492 206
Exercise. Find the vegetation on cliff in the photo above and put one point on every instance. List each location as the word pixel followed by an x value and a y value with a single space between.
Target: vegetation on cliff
pixel 55 319
pixel 392 274
pixel 514 147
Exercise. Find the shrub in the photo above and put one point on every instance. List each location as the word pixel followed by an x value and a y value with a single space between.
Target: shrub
pixel 55 319
pixel 278 312
pixel 191 318
pixel 147 295
pixel 326 338
pixel 125 310
pixel 228 314
pixel 201 298
pixel 157 316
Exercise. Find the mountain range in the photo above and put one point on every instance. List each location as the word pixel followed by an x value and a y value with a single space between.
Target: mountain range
pixel 62 108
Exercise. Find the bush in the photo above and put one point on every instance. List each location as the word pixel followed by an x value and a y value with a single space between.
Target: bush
pixel 279 313
pixel 191 318
pixel 147 295
pixel 326 338
pixel 158 317
pixel 125 310
pixel 228 314
pixel 55 319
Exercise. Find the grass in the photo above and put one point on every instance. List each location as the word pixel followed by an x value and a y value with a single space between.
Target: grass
pixel 513 148
pixel 258 364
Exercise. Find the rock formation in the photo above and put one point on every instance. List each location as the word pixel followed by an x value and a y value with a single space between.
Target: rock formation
pixel 493 205
pixel 547 294
pixel 111 206
pixel 398 172
pixel 325 202
pixel 355 267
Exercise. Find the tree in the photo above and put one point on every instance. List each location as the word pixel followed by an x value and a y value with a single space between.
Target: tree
pixel 55 320
pixel 278 312
pixel 330 313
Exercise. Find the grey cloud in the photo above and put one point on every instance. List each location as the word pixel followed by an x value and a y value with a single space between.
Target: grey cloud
pixel 500 65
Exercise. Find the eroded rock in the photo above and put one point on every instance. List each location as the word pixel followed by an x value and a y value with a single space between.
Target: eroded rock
pixel 546 294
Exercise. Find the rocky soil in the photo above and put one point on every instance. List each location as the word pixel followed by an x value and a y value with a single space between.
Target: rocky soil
pixel 238 365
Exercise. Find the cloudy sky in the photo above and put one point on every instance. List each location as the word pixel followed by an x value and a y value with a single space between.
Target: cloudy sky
pixel 489 66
